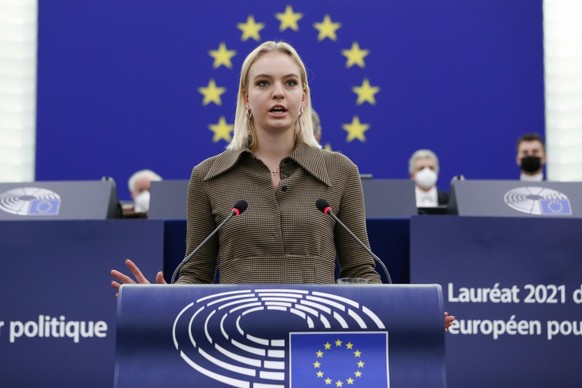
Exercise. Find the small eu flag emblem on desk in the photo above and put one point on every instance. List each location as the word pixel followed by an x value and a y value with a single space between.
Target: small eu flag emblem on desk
pixel 339 359
pixel 44 207
pixel 556 207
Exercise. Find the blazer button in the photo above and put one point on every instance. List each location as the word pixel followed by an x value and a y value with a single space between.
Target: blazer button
pixel 284 188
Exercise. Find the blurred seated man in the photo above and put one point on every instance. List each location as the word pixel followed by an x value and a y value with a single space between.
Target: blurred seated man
pixel 531 157
pixel 316 125
pixel 139 186
pixel 423 168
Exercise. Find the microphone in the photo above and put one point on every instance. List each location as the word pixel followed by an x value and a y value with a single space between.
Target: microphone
pixel 238 208
pixel 325 207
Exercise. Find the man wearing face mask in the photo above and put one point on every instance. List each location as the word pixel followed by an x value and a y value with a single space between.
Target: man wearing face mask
pixel 423 168
pixel 531 157
pixel 139 187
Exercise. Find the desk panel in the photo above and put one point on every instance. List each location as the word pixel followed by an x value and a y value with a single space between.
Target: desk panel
pixel 515 286
pixel 57 310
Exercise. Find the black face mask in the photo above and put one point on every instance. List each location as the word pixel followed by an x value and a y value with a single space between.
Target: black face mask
pixel 531 164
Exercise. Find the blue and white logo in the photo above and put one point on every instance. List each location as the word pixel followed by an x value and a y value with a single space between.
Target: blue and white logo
pixel 540 201
pixel 30 201
pixel 339 359
pixel 265 337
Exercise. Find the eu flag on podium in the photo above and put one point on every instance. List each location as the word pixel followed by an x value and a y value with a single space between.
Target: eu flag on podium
pixel 558 206
pixel 339 359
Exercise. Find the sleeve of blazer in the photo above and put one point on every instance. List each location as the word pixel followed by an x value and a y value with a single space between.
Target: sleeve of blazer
pixel 201 268
pixel 354 260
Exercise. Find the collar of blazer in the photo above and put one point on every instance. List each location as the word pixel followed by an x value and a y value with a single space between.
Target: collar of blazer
pixel 311 159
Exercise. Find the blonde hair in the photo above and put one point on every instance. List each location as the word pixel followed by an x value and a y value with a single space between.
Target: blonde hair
pixel 244 130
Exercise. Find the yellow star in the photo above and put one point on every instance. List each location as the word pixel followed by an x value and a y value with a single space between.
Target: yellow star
pixel 328 381
pixel 326 28
pixel 366 92
pixel 356 131
pixel 355 55
pixel 357 353
pixel 211 93
pixel 327 147
pixel 339 383
pixel 221 130
pixel 222 56
pixel 360 364
pixel 358 374
pixel 319 354
pixel 250 29
pixel 349 345
pixel 289 19
pixel 350 381
pixel 316 364
pixel 338 342
pixel 327 346
pixel 320 374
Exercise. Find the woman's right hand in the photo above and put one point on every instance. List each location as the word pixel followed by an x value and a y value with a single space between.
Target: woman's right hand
pixel 137 274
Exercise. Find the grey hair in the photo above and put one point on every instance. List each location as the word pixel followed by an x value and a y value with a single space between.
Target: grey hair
pixel 423 154
pixel 152 176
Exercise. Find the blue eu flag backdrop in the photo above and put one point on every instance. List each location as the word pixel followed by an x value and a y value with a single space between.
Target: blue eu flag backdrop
pixel 156 84
pixel 339 359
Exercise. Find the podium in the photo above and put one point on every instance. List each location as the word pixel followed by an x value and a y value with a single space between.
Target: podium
pixel 275 336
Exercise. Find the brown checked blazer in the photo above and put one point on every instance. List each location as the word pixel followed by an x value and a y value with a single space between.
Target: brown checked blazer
pixel 282 237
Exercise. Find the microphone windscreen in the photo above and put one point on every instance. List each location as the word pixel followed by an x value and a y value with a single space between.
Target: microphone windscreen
pixel 322 204
pixel 241 206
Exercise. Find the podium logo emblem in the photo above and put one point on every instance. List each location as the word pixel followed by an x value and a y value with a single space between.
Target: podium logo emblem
pixel 268 337
pixel 30 201
pixel 540 201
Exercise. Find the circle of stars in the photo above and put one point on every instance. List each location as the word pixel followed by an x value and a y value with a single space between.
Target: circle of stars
pixel 338 346
pixel 289 19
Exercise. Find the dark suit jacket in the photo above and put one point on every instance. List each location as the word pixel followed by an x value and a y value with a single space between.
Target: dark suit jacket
pixel 443 197
pixel 282 237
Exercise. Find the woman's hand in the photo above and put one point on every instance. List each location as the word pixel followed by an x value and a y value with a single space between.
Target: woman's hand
pixel 449 319
pixel 137 274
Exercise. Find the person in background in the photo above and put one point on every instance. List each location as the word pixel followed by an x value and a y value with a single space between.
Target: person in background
pixel 423 168
pixel 316 125
pixel 275 163
pixel 139 186
pixel 531 157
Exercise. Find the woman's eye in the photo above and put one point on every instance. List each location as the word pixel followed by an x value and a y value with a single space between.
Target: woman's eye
pixel 292 83
pixel 262 83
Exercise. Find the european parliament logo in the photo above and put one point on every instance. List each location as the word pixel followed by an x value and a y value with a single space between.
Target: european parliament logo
pixel 339 359
pixel 30 201
pixel 541 201
pixel 280 338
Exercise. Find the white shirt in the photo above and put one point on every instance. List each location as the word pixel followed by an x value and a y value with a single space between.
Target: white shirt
pixel 426 198
pixel 532 178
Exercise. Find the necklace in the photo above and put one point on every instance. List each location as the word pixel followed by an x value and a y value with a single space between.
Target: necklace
pixel 273 172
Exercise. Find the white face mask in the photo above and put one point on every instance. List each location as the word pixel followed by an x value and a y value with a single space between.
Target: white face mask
pixel 141 203
pixel 425 178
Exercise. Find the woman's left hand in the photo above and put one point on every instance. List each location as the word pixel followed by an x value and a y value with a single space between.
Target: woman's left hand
pixel 449 319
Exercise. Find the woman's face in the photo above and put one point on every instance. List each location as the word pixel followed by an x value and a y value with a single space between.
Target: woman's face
pixel 275 93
